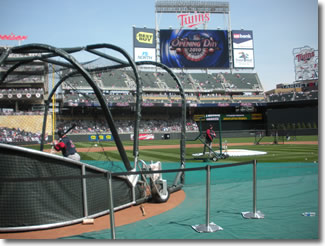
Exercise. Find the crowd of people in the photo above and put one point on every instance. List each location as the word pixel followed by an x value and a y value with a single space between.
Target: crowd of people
pixel 127 126
pixel 17 135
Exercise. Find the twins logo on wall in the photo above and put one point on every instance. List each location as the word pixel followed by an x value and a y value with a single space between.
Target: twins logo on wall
pixel 194 48
pixel 306 63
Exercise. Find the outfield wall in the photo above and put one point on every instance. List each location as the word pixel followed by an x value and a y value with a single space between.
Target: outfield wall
pixel 194 135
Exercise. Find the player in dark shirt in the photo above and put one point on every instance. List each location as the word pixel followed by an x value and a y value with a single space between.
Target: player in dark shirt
pixel 66 146
pixel 210 134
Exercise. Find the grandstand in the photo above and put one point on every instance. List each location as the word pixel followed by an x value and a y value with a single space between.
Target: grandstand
pixel 25 88
pixel 206 92
pixel 298 91
pixel 159 87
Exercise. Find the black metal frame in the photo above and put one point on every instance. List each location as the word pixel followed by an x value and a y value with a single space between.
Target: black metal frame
pixel 47 52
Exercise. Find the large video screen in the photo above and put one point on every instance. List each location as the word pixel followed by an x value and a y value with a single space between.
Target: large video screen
pixel 194 48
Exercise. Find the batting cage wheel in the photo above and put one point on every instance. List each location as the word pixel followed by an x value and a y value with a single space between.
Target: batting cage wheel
pixel 160 194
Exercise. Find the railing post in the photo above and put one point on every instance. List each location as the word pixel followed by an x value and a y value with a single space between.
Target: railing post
pixel 111 205
pixel 207 227
pixel 84 191
pixel 255 214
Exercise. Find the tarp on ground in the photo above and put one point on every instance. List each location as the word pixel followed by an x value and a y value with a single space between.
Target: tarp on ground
pixel 284 192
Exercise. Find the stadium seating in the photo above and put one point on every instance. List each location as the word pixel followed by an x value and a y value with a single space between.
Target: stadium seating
pixel 167 80
pixel 156 98
pixel 214 98
pixel 160 87
pixel 186 80
pixel 248 98
pixel 313 95
pixel 149 80
pixel 88 125
pixel 293 96
pixel 241 81
pixel 206 81
pixel 77 82
pixel 114 79
pixel 300 96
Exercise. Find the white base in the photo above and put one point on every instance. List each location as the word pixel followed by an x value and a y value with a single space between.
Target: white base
pixel 251 215
pixel 234 152
pixel 212 227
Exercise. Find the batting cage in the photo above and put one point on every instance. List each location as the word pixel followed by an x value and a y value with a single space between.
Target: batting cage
pixel 43 183
pixel 210 130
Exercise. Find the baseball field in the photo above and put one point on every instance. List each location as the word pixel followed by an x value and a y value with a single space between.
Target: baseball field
pixel 300 149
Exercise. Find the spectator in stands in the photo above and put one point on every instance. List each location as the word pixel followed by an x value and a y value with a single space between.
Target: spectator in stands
pixel 210 134
pixel 66 146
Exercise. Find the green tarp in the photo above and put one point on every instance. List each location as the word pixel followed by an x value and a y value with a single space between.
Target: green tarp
pixel 284 192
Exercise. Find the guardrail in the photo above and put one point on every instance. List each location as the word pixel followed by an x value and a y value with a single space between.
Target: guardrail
pixel 210 226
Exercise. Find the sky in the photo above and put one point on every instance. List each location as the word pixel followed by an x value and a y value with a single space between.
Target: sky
pixel 278 27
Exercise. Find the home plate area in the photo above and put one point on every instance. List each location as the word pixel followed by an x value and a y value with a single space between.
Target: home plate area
pixel 235 152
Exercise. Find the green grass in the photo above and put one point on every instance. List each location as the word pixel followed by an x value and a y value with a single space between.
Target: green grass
pixel 275 153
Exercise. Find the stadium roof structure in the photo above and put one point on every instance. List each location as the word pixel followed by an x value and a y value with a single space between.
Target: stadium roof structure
pixel 163 6
pixel 21 55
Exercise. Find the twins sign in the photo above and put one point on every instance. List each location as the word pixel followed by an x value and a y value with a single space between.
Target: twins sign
pixel 192 20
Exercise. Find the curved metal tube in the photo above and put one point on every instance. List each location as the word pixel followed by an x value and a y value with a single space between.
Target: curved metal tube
pixel 138 97
pixel 4 55
pixel 182 92
pixel 138 92
pixel 85 74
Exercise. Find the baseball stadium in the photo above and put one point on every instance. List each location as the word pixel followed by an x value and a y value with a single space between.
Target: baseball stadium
pixel 140 125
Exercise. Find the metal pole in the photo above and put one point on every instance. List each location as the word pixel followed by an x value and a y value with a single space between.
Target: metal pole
pixel 53 104
pixel 84 191
pixel 255 214
pixel 207 227
pixel 208 182
pixel 254 186
pixel 220 137
pixel 110 204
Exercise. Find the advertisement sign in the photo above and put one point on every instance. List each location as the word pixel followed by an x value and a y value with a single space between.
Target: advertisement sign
pixel 101 137
pixel 144 54
pixel 243 58
pixel 144 136
pixel 306 63
pixel 243 49
pixel 212 117
pixel 255 116
pixel 233 117
pixel 194 48
pixel 242 39
pixel 144 37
